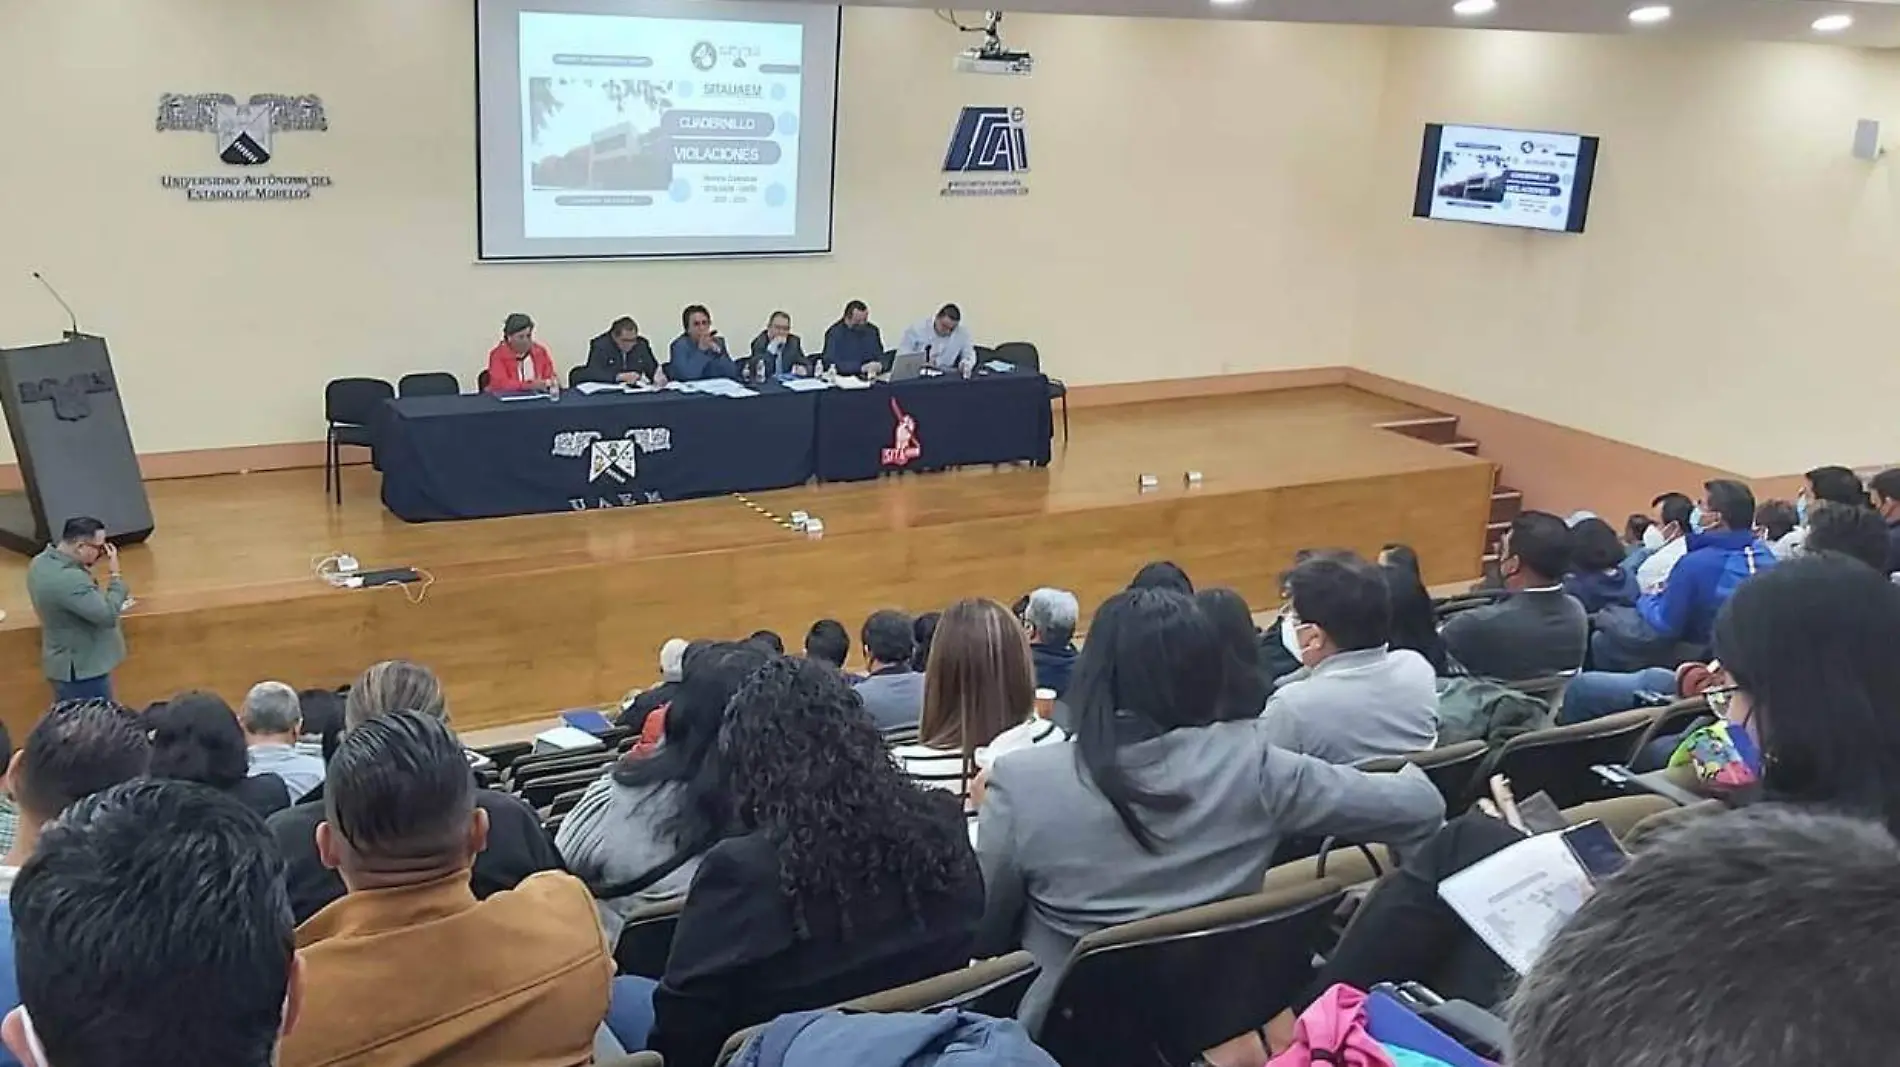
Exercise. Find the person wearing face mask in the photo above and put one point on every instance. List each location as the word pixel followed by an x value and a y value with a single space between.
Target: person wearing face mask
pixel 852 344
pixel 1822 485
pixel 699 352
pixel 1357 698
pixel 1673 624
pixel 1538 630
pixel 80 639
pixel 1652 563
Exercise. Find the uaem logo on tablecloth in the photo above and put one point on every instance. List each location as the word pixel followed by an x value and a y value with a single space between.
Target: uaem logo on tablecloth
pixel 244 135
pixel 988 154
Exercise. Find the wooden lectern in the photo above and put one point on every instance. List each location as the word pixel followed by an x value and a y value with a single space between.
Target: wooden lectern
pixel 61 403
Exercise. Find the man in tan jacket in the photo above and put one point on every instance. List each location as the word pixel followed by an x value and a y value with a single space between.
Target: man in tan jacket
pixel 408 968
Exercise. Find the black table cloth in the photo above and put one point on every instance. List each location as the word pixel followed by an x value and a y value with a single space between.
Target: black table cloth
pixel 475 456
pixel 992 418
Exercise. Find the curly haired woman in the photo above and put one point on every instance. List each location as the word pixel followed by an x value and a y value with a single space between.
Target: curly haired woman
pixel 844 878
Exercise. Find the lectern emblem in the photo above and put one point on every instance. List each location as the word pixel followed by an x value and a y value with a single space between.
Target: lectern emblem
pixel 69 395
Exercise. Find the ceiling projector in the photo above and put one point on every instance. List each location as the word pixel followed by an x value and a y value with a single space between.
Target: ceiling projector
pixel 991 57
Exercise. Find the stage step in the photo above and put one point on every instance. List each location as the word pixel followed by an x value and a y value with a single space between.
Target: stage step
pixel 1433 429
pixel 1506 504
pixel 1468 447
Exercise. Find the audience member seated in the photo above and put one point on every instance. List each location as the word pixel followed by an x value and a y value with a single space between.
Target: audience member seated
pixel 828 643
pixel 1414 621
pixel 1832 485
pixel 634 711
pixel 844 879
pixel 1851 531
pixel 1538 629
pixel 150 930
pixel 1356 698
pixel 196 738
pixel 769 642
pixel 76 749
pixel 699 353
pixel 1596 577
pixel 1158 806
pixel 622 356
pixel 409 967
pixel 637 834
pixel 322 714
pixel 923 630
pixel 1652 563
pixel 273 720
pixel 979 699
pixel 1776 522
pixel 1640 530
pixel 517 846
pixel 1162 574
pixel 892 693
pixel 1244 687
pixel 1816 686
pixel 1788 913
pixel 520 362
pixel 852 344
pixel 1885 493
pixel 1051 616
pixel 1722 554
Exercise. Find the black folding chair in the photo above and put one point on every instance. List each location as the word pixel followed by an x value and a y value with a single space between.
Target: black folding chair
pixel 428 383
pixel 1450 768
pixel 1557 761
pixel 349 406
pixel 1025 356
pixel 647 939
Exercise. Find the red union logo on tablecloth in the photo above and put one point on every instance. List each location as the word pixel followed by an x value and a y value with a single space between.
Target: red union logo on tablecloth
pixel 905 445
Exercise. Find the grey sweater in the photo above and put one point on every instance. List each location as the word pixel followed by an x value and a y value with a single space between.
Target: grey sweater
pixel 1357 705
pixel 613 835
pixel 1058 864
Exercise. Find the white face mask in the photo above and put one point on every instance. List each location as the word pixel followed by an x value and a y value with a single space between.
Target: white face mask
pixel 1653 537
pixel 1290 636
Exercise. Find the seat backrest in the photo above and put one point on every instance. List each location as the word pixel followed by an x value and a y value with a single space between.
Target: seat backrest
pixel 1673 719
pixel 544 763
pixel 992 987
pixel 540 791
pixel 1023 354
pixel 1558 761
pixel 635 1059
pixel 647 938
pixel 1547 688
pixel 482 380
pixel 428 383
pixel 1450 768
pixel 574 376
pixel 1163 989
pixel 352 401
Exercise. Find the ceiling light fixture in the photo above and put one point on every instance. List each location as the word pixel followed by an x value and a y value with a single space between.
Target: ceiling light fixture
pixel 1650 13
pixel 1227 3
pixel 1474 8
pixel 1833 23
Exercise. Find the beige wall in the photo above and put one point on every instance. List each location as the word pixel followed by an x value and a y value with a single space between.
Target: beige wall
pixel 1159 237
pixel 1733 299
pixel 1208 198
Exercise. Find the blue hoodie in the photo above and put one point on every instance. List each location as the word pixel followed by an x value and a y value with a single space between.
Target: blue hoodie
pixel 1702 581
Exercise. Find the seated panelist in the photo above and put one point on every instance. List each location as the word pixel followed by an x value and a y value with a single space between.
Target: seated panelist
pixel 700 352
pixel 852 344
pixel 943 340
pixel 520 362
pixel 621 355
pixel 777 350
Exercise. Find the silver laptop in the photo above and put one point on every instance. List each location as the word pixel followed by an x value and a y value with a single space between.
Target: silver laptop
pixel 909 365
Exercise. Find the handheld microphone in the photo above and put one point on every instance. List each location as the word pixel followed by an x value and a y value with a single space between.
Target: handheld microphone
pixel 72 319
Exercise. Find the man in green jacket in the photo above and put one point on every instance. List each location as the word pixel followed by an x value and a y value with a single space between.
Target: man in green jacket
pixel 80 639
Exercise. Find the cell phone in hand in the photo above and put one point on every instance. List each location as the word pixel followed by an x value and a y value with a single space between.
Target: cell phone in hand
pixel 1596 850
pixel 1540 814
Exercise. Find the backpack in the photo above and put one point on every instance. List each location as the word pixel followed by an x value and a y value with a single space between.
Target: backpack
pixel 1478 709
pixel 941 1039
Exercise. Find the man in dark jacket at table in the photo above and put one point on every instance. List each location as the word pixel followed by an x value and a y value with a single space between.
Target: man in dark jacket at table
pixel 852 344
pixel 777 350
pixel 621 355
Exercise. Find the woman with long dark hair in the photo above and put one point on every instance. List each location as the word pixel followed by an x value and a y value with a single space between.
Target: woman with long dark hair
pixel 843 877
pixel 1244 686
pixel 1158 806
pixel 1414 621
pixel 638 833
pixel 196 738
pixel 1812 688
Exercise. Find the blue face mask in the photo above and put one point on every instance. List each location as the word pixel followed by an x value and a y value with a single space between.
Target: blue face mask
pixel 1695 519
pixel 1801 508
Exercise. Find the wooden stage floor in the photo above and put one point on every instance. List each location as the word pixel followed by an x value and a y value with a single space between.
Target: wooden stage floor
pixel 536 613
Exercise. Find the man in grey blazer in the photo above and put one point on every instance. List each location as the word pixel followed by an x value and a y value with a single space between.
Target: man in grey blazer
pixel 892 692
pixel 1357 699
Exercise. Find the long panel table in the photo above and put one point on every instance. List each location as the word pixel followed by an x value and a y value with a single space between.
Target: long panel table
pixel 476 456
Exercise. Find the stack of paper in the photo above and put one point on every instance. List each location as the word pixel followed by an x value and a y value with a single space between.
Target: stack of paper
pixel 805 385
pixel 999 366
pixel 590 388
pixel 715 387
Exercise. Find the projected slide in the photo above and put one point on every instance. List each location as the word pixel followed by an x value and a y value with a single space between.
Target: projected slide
pixel 655 127
pixel 648 127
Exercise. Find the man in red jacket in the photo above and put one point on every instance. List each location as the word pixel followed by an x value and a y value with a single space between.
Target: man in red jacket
pixel 519 361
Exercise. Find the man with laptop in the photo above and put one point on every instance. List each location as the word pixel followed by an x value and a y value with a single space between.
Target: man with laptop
pixel 943 342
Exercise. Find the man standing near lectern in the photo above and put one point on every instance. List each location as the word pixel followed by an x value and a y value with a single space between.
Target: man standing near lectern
pixel 80 639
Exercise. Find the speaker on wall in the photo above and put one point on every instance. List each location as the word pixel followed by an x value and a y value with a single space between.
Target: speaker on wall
pixel 1867 140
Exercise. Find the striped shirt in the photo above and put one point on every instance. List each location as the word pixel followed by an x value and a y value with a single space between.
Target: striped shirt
pixel 945 768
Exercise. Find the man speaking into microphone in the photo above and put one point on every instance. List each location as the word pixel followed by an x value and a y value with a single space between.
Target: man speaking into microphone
pixel 699 353
pixel 80 639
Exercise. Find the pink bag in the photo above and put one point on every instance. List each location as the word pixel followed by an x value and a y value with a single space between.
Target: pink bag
pixel 1332 1033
